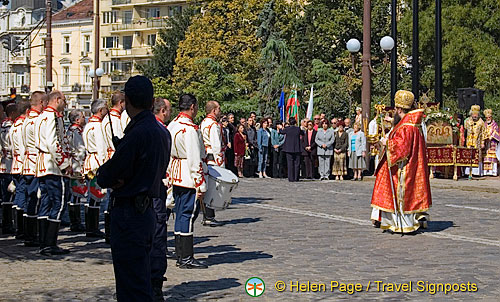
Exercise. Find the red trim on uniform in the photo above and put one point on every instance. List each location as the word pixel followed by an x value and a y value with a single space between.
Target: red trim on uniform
pixel 119 114
pixel 34 110
pixel 80 128
pixel 95 118
pixel 182 114
pixel 21 117
pixel 211 116
pixel 160 121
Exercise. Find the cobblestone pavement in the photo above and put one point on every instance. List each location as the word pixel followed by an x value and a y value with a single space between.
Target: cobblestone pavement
pixel 294 232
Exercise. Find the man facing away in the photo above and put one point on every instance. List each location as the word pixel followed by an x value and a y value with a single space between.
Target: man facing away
pixel 135 174
pixel 211 132
pixel 186 173
pixel 52 164
pixel 403 173
pixel 38 103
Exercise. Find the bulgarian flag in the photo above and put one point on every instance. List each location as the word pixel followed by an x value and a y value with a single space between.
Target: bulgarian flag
pixel 292 106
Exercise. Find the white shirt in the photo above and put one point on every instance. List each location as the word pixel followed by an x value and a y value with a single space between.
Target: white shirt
pixel 76 149
pixel 186 168
pixel 31 152
pixel 211 132
pixel 93 138
pixel 16 137
pixel 6 145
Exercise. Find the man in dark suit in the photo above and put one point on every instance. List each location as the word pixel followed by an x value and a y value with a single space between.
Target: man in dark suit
pixel 309 148
pixel 292 149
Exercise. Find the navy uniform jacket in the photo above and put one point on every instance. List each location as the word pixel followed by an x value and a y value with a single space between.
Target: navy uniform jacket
pixel 140 161
pixel 292 139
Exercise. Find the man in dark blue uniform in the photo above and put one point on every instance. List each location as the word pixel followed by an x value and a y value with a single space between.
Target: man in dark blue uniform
pixel 135 174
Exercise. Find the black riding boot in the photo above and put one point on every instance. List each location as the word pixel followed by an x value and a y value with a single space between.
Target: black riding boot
pixel 7 225
pixel 75 218
pixel 178 249
pixel 92 222
pixel 51 241
pixel 157 285
pixel 42 232
pixel 19 223
pixel 30 238
pixel 187 258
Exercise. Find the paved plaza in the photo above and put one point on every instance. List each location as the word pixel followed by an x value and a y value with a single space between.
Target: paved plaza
pixel 297 232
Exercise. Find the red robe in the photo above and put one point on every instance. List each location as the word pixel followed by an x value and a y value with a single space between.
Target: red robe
pixel 406 150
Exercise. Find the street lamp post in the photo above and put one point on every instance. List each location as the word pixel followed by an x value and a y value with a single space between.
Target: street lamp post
pixel 96 75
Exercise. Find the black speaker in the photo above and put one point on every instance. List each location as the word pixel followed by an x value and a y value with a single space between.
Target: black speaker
pixel 470 96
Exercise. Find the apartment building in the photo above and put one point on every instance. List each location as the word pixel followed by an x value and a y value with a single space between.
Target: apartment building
pixel 129 29
pixel 72 54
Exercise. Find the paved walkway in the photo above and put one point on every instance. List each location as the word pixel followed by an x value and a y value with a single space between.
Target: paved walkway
pixel 308 231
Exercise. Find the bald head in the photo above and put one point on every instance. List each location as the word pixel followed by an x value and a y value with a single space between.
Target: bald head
pixel 57 100
pixel 213 108
pixel 38 100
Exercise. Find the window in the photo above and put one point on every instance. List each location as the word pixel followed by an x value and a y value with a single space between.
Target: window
pixel 109 17
pixel 86 43
pixel 42 76
pixel 127 17
pixel 65 75
pixel 174 10
pixel 86 76
pixel 20 79
pixel 153 13
pixel 66 45
pixel 127 42
pixel 110 42
pixel 152 40
pixel 42 48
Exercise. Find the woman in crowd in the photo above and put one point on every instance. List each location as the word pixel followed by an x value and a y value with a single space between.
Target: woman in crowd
pixel 240 141
pixel 252 146
pixel 277 141
pixel 325 138
pixel 309 149
pixel 263 137
pixel 357 151
pixel 340 149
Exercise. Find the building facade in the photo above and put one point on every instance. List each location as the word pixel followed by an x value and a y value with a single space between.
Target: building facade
pixel 72 54
pixel 129 30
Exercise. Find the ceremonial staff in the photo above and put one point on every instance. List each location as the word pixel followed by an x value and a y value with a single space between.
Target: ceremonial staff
pixel 398 215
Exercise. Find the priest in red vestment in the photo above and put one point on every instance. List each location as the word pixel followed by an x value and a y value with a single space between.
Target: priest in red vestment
pixel 406 158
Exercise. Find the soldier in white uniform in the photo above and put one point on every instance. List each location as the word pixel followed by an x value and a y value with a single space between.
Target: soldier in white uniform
pixel 52 164
pixel 5 168
pixel 77 186
pixel 124 119
pixel 94 140
pixel 16 137
pixel 38 103
pixel 215 149
pixel 186 174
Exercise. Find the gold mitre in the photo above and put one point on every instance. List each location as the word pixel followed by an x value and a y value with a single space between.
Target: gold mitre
pixel 475 109
pixel 488 112
pixel 404 99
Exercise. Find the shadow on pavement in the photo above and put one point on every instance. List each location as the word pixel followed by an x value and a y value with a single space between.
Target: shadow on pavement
pixel 190 290
pixel 216 249
pixel 438 226
pixel 249 200
pixel 242 220
pixel 235 257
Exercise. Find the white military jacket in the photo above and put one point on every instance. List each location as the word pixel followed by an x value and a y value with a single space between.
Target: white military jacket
pixel 117 130
pixel 16 137
pixel 211 132
pixel 96 148
pixel 124 119
pixel 76 149
pixel 30 150
pixel 186 168
pixel 6 145
pixel 50 141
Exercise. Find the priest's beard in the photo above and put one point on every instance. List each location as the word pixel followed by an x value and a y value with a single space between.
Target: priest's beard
pixel 397 119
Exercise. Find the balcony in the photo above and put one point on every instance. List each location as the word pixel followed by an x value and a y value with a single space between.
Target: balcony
pixel 136 52
pixel 139 25
pixel 18 60
pixel 120 77
pixel 120 2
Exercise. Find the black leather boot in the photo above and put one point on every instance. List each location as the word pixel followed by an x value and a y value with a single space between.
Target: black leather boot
pixel 7 225
pixel 30 238
pixel 107 227
pixel 157 285
pixel 178 249
pixel 51 241
pixel 42 232
pixel 188 261
pixel 92 221
pixel 19 223
pixel 75 218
